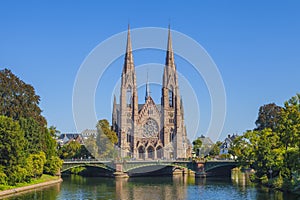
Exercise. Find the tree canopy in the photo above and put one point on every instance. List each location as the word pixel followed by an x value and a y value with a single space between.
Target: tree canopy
pixel 26 144
pixel 272 149
pixel 268 116
pixel 18 99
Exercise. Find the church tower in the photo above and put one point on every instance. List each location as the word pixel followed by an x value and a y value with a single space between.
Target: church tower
pixel 171 107
pixel 128 102
pixel 149 131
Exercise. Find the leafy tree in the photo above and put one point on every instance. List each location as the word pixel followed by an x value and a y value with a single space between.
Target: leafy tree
pixel 216 149
pixel 106 139
pixel 69 150
pixel 18 99
pixel 268 116
pixel 35 164
pixel 53 165
pixel 91 146
pixel 197 145
pixel 274 151
pixel 11 142
pixel 289 131
pixel 33 135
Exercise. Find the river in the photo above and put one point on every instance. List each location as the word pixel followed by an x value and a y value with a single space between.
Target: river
pixel 169 188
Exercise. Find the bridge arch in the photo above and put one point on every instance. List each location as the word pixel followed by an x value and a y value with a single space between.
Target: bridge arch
pixel 69 166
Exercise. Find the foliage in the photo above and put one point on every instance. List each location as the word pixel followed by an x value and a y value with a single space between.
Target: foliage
pixel 197 145
pixel 25 141
pixel 53 165
pixel 11 142
pixel 215 149
pixel 69 150
pixel 268 116
pixel 18 99
pixel 106 139
pixel 273 151
pixel 77 170
pixel 35 164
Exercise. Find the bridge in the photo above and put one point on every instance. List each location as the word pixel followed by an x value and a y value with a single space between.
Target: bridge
pixel 155 167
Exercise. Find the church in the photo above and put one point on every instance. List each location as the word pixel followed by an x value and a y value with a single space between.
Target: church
pixel 150 131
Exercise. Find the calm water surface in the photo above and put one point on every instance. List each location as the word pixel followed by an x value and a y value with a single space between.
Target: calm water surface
pixel 177 187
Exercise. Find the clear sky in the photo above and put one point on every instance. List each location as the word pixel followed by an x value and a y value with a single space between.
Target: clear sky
pixel 255 45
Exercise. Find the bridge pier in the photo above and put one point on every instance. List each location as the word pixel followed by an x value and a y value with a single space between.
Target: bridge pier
pixel 119 173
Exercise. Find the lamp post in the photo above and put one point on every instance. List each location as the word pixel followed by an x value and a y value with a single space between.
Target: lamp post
pixel 270 172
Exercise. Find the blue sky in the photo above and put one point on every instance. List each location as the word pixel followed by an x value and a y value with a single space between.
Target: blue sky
pixel 255 45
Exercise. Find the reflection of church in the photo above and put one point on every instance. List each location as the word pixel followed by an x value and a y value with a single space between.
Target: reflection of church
pixel 149 130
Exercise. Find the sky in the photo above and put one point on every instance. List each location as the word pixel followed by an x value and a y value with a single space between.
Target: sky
pixel 254 44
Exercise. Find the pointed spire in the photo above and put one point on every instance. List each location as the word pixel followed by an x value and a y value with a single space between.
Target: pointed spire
pixel 170 54
pixel 115 101
pixel 181 107
pixel 128 65
pixel 147 89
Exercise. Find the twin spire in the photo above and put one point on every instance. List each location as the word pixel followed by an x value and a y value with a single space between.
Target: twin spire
pixel 129 64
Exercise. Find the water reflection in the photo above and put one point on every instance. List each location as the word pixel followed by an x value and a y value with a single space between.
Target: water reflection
pixel 45 193
pixel 168 188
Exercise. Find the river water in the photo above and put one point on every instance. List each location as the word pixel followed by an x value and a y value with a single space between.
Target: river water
pixel 152 188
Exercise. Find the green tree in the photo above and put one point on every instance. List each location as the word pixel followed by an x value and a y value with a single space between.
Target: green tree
pixel 11 142
pixel 18 99
pixel 35 164
pixel 197 145
pixel 268 116
pixel 289 132
pixel 106 140
pixel 215 149
pixel 53 165
pixel 69 150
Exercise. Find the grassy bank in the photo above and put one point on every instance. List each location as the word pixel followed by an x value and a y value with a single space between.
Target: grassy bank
pixel 42 179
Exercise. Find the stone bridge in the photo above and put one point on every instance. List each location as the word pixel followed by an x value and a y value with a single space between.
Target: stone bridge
pixel 131 168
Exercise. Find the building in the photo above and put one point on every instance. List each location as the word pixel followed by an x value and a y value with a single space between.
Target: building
pixel 206 146
pixel 89 133
pixel 66 138
pixel 227 144
pixel 150 130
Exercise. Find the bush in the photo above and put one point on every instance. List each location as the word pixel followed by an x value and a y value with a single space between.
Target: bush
pixel 53 165
pixel 264 180
pixel 277 182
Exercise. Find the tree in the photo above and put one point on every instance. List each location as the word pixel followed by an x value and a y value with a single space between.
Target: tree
pixel 18 99
pixel 35 164
pixel 216 149
pixel 69 150
pixel 53 165
pixel 11 142
pixel 268 116
pixel 106 140
pixel 289 132
pixel 197 145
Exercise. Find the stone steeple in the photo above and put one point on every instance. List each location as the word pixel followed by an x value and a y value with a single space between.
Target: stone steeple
pixel 170 54
pixel 114 115
pixel 128 101
pixel 128 64
pixel 147 89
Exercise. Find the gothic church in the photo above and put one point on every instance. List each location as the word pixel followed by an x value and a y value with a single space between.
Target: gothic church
pixel 149 130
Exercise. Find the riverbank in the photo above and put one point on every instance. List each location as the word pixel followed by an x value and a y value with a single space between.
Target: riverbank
pixel 39 183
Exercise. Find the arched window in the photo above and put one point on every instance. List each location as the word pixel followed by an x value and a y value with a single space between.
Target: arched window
pixel 150 152
pixel 171 98
pixel 129 97
pixel 159 152
pixel 141 150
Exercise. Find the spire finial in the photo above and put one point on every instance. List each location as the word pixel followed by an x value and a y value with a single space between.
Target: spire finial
pixel 128 65
pixel 147 88
pixel 170 55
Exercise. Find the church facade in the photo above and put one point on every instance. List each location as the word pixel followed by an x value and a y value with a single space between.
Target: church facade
pixel 150 130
